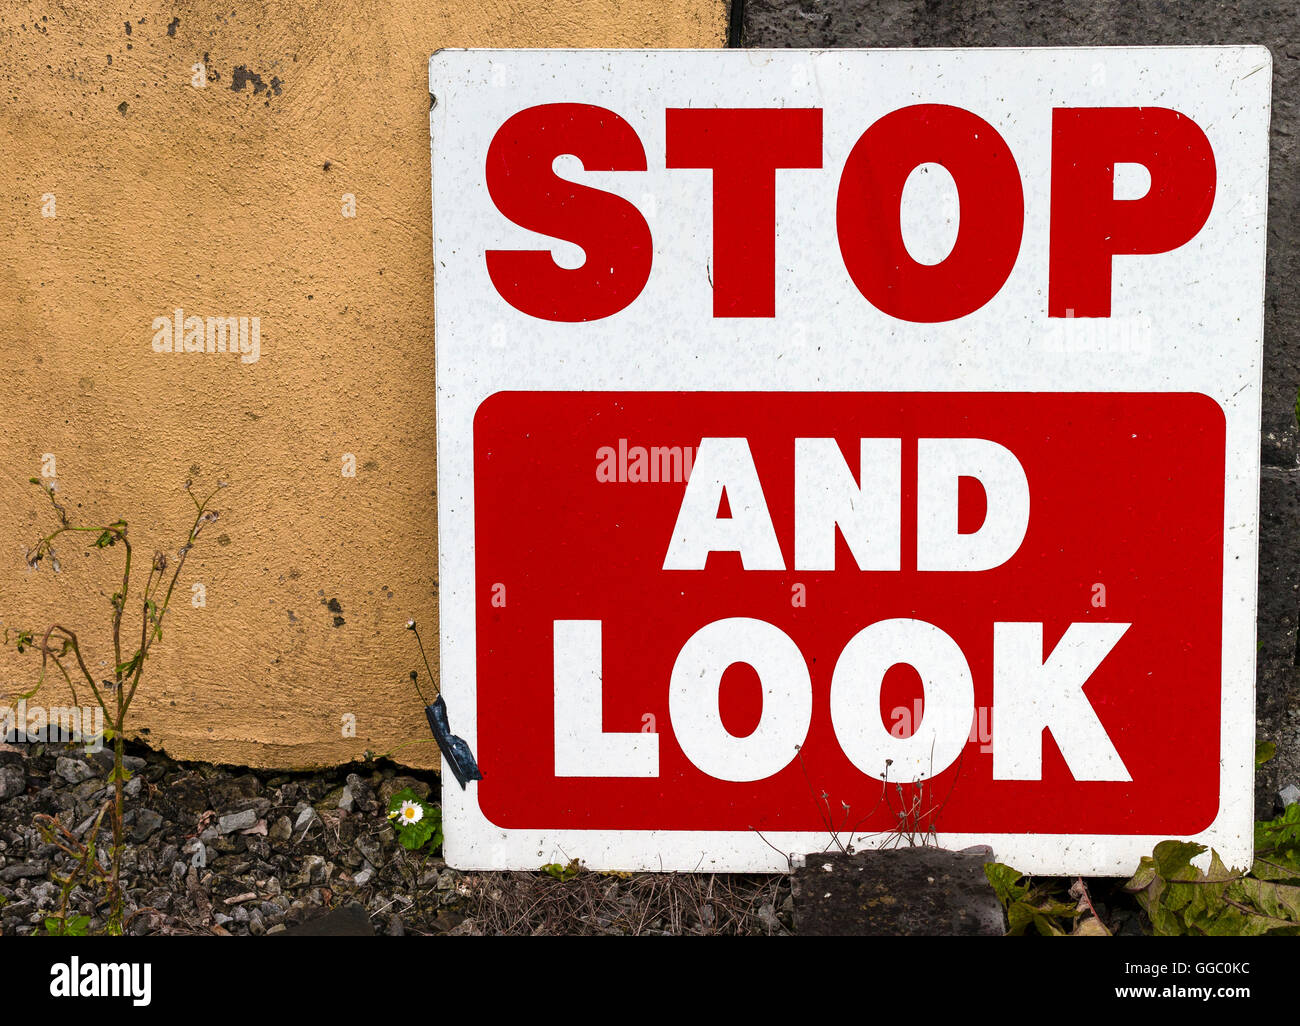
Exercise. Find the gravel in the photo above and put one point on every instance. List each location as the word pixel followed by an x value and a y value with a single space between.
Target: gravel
pixel 210 849
pixel 229 851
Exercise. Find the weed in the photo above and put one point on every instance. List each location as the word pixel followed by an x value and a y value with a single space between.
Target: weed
pixel 62 646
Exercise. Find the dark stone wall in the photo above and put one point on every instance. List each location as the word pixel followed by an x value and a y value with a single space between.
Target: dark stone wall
pixel 901 23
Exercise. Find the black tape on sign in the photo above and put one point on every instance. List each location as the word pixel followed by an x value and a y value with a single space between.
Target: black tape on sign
pixel 455 752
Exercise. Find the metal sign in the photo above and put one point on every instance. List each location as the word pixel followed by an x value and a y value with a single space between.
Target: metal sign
pixel 848 447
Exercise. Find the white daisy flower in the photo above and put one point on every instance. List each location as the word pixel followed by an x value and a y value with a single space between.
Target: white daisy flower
pixel 410 812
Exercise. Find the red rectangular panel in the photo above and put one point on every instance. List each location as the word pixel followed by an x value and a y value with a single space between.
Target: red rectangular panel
pixel 1126 524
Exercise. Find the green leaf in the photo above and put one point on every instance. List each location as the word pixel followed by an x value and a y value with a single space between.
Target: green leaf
pixel 1180 898
pixel 1046 917
pixel 1005 882
pixel 1090 927
pixel 77 926
pixel 1164 923
pixel 1059 909
pixel 404 795
pixel 1281 833
pixel 1218 872
pixel 1174 859
pixel 1275 900
pixel 415 836
pixel 562 872
pixel 1145 876
pixel 1279 866
pixel 426 831
pixel 1227 922
pixel 1264 750
pixel 1020 916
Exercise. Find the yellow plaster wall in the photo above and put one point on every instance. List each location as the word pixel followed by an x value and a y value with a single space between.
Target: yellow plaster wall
pixel 229 202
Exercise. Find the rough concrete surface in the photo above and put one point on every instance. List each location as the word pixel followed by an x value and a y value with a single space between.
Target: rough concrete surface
pixel 900 23
pixel 902 892
pixel 228 200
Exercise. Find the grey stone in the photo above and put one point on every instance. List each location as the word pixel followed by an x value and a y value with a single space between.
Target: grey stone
pixel 348 921
pixel 74 771
pixel 313 870
pixel 303 824
pixel 24 871
pixel 281 830
pixel 346 800
pixel 231 790
pixel 233 821
pixel 103 758
pixel 359 789
pixel 13 780
pixel 91 788
pixel 45 894
pixel 351 858
pixel 371 850
pixel 1288 795
pixel 390 787
pixel 899 892
pixel 147 823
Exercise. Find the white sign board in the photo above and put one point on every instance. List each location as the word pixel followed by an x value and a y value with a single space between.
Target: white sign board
pixel 852 447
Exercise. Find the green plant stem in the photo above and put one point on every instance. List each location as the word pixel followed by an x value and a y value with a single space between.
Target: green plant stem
pixel 126 675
